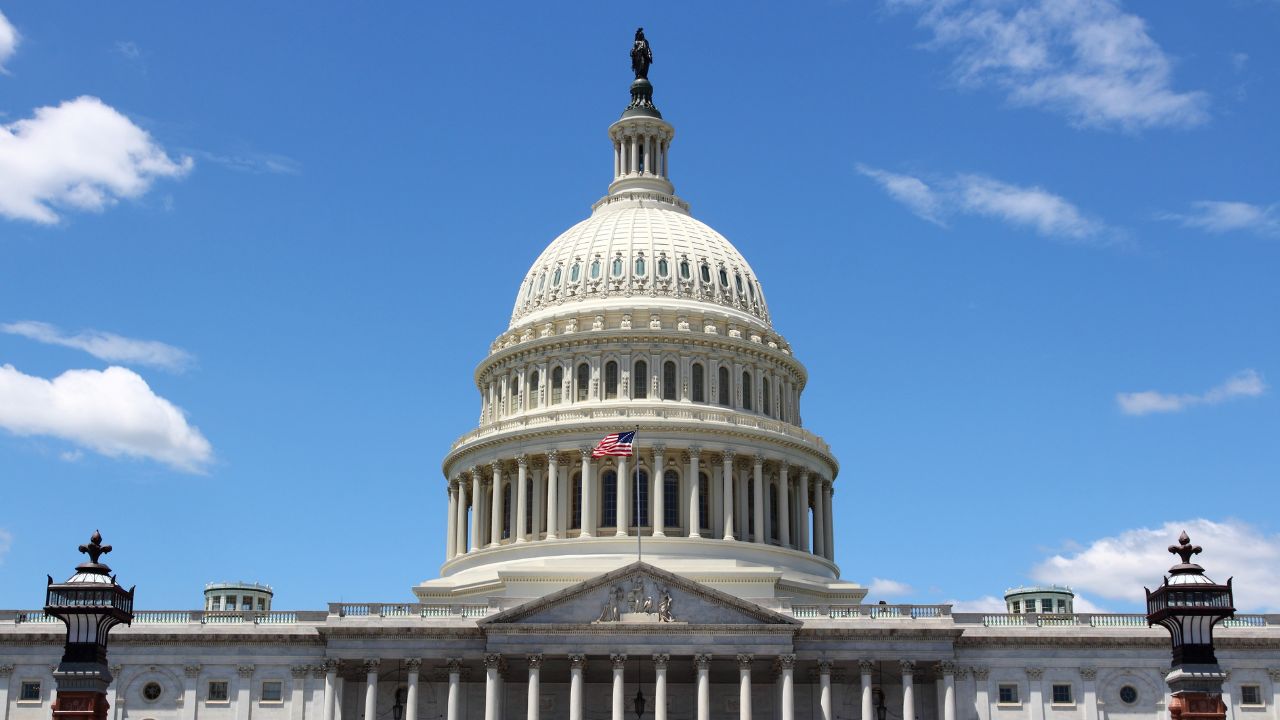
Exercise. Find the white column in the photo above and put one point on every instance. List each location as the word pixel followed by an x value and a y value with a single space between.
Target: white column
pixel 535 678
pixel 553 497
pixel 491 681
pixel 451 535
pixel 824 691
pixel 522 495
pixel 727 493
pixel 619 698
pixel 948 690
pixel 339 692
pixel 412 667
pixel 623 495
pixel 635 164
pixel 1035 687
pixel 371 689
pixel 660 686
pixel 476 500
pixel 908 690
pixel 460 522
pixel 827 535
pixel 758 490
pixel 244 683
pixel 744 687
pixel 6 673
pixel 575 686
pixel 454 702
pixel 787 665
pixel 189 688
pixel 617 159
pixel 495 516
pixel 330 688
pixel 1090 677
pixel 802 532
pixel 819 533
pixel 694 521
pixel 865 667
pixel 740 504
pixel 703 662
pixel 982 692
pixel 656 490
pixel 297 697
pixel 588 497
pixel 784 506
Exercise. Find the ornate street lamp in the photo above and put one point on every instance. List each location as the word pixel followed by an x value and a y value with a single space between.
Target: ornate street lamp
pixel 90 603
pixel 638 703
pixel 1188 604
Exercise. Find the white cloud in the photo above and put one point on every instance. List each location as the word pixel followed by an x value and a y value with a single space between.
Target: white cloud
pixel 254 163
pixel 80 154
pixel 6 542
pixel 1085 58
pixel 113 412
pixel 105 346
pixel 881 587
pixel 1119 567
pixel 9 39
pixel 1047 214
pixel 128 49
pixel 1220 216
pixel 1246 383
pixel 984 604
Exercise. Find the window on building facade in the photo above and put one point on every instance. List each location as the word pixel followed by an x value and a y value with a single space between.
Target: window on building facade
pixel 640 268
pixel 595 269
pixel 557 385
pixel 1128 695
pixel 746 391
pixel 262 604
pixel 684 269
pixel 1062 606
pixel 699 383
pixel 663 268
pixel 737 283
pixel 533 389
pixel 640 508
pixel 669 380
pixel 767 401
pixel 1008 694
pixel 152 691
pixel 272 691
pixel 217 691
pixel 724 279
pixel 575 500
pixel 609 499
pixel 1017 607
pixel 30 691
pixel 640 383
pixel 671 499
pixel 1062 694
pixel 229 602
pixel 246 603
pixel 705 271
pixel 575 272
pixel 725 388
pixel 555 278
pixel 610 380
pixel 1250 694
pixel 617 267
pixel 584 381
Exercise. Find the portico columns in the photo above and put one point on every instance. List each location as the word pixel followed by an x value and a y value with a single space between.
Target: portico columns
pixel 575 686
pixel 948 670
pixel 623 492
pixel 588 497
pixel 1090 677
pixel 744 687
pixel 657 488
pixel 784 506
pixel 371 688
pixel 553 497
pixel 660 686
pixel 475 508
pixel 819 535
pixel 868 708
pixel 535 678
pixel 786 664
pixel 451 535
pixel 495 517
pixel 618 705
pixel 757 512
pixel 982 692
pixel 802 532
pixel 824 690
pixel 491 663
pixel 726 480
pixel 453 704
pixel 189 687
pixel 695 520
pixel 827 535
pixel 522 492
pixel 330 688
pixel 703 663
pixel 908 690
pixel 412 667
pixel 1035 682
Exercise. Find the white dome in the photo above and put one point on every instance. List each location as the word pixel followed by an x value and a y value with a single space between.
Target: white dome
pixel 640 245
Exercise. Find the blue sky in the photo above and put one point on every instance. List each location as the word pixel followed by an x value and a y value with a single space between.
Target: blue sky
pixel 250 254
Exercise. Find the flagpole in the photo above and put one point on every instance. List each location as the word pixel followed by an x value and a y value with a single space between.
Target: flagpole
pixel 636 494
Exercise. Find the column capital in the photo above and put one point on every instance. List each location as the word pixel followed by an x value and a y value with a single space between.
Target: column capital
pixel 191 671
pixel 492 661
pixel 454 483
pixel 535 661
pixel 824 667
pixel 522 460
pixel 619 660
pixel 1091 673
pixel 586 453
pixel 245 671
pixel 784 466
pixel 980 673
pixel 1035 673
pixel 317 671
pixel 298 671
pixel 660 660
pixel 744 661
pixel 659 448
pixel 947 667
pixel 866 667
pixel 695 452
pixel 961 672
pixel 758 459
pixel 787 661
pixel 802 473
pixel 6 670
pixel 495 466
pixel 329 665
pixel 1274 673
pixel 729 455
pixel 371 665
pixel 702 661
pixel 553 457
pixel 908 667
pixel 453 665
pixel 577 660
pixel 477 471
pixel 413 665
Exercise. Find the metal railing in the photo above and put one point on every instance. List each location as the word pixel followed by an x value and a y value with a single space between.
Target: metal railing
pixel 422 610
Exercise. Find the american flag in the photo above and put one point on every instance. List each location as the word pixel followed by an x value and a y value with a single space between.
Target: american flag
pixel 616 444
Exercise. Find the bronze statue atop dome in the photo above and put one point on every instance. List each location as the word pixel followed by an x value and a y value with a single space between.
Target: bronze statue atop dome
pixel 641 55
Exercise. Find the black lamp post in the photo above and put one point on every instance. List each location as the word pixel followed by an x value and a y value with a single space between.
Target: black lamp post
pixel 90 603
pixel 638 703
pixel 1188 604
pixel 877 694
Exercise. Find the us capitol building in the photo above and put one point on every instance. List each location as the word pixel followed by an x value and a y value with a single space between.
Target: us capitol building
pixel 642 318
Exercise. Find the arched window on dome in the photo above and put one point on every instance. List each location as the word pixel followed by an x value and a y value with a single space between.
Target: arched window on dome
pixel 640 267
pixel 671 499
pixel 684 270
pixel 542 282
pixel 726 387
pixel 669 380
pixel 595 269
pixel 617 267
pixel 737 283
pixel 575 272
pixel 555 277
pixel 609 499
pixel 699 381
pixel 705 271
pixel 584 382
pixel 513 394
pixel 724 278
pixel 640 382
pixel 557 385
pixel 704 502
pixel 773 511
pixel 533 390
pixel 663 267
pixel 506 510
pixel 746 390
pixel 640 504
pixel 611 380
pixel 575 501
pixel 528 293
pixel 751 290
pixel 767 401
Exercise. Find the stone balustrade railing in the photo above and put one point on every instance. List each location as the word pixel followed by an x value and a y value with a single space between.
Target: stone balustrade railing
pixel 870 612
pixel 423 610
pixel 1097 620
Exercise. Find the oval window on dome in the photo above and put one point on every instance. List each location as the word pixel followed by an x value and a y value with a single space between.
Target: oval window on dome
pixel 529 292
pixel 640 266
pixel 555 278
pixel 724 278
pixel 684 269
pixel 662 267
pixel 751 290
pixel 595 269
pixel 706 273
pixel 737 282
pixel 617 267
pixel 542 281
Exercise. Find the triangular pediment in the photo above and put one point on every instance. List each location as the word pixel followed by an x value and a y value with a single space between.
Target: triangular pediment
pixel 639 593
